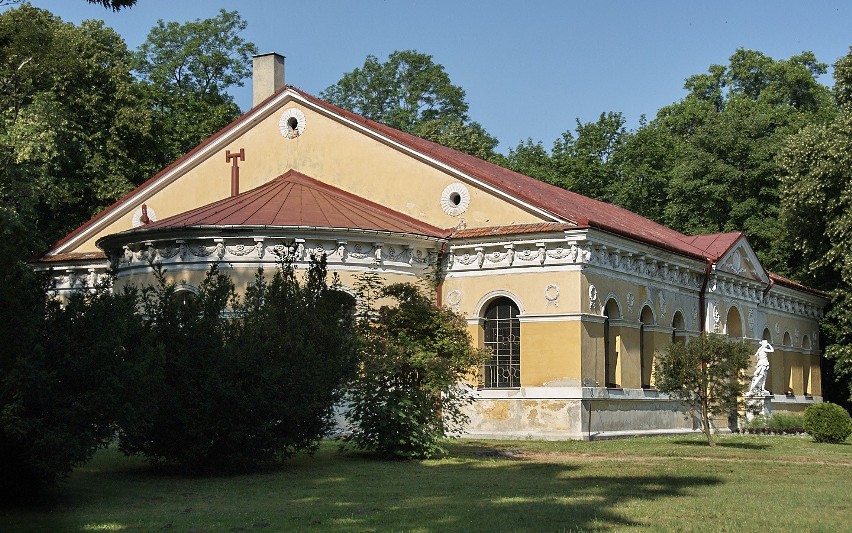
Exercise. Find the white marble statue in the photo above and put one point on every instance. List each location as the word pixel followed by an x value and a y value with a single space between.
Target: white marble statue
pixel 758 382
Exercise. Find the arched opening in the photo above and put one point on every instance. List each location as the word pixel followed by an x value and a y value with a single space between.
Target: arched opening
pixel 646 347
pixel 612 344
pixel 503 338
pixel 734 323
pixel 787 343
pixel 806 366
pixel 770 385
pixel 678 328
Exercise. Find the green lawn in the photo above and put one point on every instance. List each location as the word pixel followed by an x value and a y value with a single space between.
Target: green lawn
pixel 747 483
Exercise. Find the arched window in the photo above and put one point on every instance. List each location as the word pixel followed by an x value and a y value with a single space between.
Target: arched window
pixel 184 297
pixel 787 344
pixel 678 328
pixel 503 337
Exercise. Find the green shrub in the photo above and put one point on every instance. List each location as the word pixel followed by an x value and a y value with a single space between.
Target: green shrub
pixel 233 392
pixel 407 394
pixel 785 421
pixel 61 367
pixel 828 422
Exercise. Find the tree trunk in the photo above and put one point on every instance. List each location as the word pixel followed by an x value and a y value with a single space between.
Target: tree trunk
pixel 705 420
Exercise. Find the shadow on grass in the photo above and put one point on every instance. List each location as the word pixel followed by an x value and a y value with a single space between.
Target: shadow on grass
pixel 334 492
pixel 740 445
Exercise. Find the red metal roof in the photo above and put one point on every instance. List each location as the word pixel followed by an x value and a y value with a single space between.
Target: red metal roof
pixel 715 245
pixel 295 200
pixel 562 204
pixel 576 208
pixel 516 229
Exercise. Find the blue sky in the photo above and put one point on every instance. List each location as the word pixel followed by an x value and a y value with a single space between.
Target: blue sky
pixel 529 69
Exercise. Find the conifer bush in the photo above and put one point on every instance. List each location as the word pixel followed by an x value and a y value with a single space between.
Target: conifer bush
pixel 61 370
pixel 828 422
pixel 236 384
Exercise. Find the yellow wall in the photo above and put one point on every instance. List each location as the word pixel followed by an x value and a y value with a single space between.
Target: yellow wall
pixel 550 353
pixel 330 152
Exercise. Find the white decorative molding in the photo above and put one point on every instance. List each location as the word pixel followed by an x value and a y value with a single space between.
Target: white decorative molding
pixel 454 298
pixel 292 123
pixel 139 212
pixel 455 199
pixel 593 298
pixel 631 301
pixel 551 294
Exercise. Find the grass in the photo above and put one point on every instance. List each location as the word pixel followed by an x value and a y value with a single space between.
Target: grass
pixel 747 483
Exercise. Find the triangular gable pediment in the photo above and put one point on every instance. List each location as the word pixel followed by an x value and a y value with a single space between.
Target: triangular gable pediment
pixel 201 176
pixel 740 260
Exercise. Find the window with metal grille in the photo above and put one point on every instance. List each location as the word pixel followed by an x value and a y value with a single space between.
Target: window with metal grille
pixel 503 337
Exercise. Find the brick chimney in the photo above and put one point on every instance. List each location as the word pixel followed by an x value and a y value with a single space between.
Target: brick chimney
pixel 267 76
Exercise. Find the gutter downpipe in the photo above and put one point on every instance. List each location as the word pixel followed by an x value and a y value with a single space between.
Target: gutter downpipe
pixel 766 290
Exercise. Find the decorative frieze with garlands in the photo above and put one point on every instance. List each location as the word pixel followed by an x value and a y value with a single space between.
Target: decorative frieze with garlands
pixel 572 249
pixel 257 249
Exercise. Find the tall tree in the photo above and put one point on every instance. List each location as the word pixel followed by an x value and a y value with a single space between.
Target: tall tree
pixel 582 161
pixel 412 93
pixel 727 133
pixel 187 69
pixel 72 126
pixel 817 209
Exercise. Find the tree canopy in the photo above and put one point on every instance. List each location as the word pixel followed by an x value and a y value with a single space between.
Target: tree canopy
pixel 412 93
pixel 71 126
pixel 816 192
pixel 78 130
pixel 186 70
pixel 707 374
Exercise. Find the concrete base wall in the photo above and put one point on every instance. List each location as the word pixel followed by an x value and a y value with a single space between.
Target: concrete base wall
pixel 575 413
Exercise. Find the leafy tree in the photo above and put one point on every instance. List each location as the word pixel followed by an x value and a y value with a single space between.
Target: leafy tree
pixel 61 377
pixel 532 159
pixel 115 5
pixel 408 392
pixel 641 166
pixel 187 69
pixel 817 211
pixel 580 161
pixel 235 394
pixel 708 375
pixel 727 133
pixel 71 127
pixel 412 93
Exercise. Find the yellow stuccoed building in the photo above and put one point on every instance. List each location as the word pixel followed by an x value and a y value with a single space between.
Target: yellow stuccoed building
pixel 573 296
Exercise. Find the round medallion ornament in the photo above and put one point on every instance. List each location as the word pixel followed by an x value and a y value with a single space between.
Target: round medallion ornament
pixel 455 199
pixel 292 123
pixel 454 297
pixel 551 293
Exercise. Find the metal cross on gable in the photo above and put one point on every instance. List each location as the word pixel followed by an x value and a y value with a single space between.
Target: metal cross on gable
pixel 234 159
